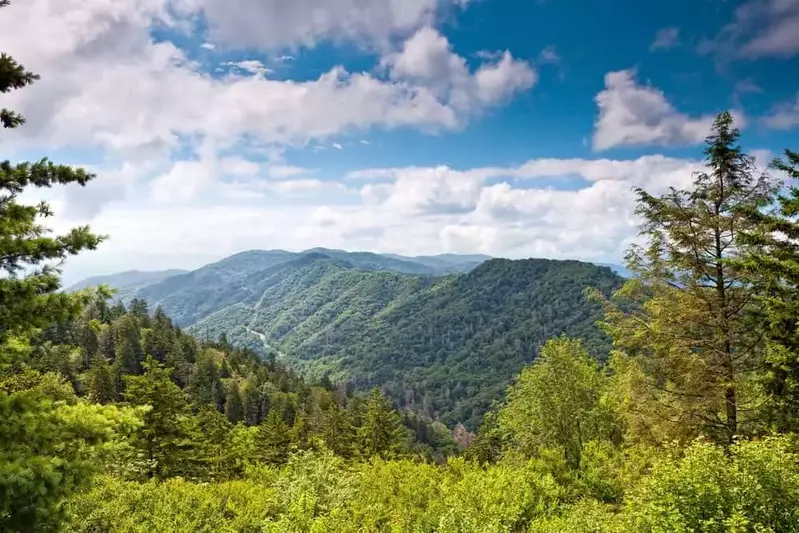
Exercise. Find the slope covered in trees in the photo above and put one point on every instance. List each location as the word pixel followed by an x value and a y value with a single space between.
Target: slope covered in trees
pixel 442 346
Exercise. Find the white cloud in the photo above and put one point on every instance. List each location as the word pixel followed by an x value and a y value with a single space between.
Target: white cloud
pixel 427 58
pixel 275 24
pixel 784 116
pixel 760 28
pixel 665 39
pixel 549 55
pixel 632 114
pixel 286 171
pixel 107 86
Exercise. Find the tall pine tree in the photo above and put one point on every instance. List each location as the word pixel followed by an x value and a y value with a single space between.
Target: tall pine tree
pixel 693 351
pixel 44 445
pixel 772 267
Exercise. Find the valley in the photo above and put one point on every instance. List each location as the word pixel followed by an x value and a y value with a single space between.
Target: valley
pixel 442 336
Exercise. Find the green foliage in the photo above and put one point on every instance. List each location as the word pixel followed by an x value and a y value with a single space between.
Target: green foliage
pixel 774 270
pixel 557 402
pixel 169 439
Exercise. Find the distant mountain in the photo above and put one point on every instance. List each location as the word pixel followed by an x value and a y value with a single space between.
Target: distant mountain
pixel 443 335
pixel 126 282
pixel 618 269
pixel 445 346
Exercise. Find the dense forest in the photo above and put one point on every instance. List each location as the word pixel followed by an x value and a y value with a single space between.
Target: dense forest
pixel 442 346
pixel 114 420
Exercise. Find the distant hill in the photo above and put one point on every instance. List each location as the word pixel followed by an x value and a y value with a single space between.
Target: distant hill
pixel 618 269
pixel 126 282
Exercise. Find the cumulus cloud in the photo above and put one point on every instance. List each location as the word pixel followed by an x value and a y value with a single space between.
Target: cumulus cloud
pixel 275 24
pixel 427 58
pixel 635 115
pixel 108 86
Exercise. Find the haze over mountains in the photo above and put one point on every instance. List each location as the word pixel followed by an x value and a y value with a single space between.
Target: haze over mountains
pixel 443 335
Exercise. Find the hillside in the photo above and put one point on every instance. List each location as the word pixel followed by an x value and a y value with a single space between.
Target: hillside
pixel 444 346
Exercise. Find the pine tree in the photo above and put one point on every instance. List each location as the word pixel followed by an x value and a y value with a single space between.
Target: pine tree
pixel 234 408
pixel 772 268
pixel 694 352
pixel 169 437
pixel 253 405
pixel 382 433
pixel 101 386
pixel 274 439
pixel 128 350
pixel 42 456
pixel 204 385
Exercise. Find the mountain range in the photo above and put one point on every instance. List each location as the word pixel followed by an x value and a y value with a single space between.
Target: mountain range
pixel 443 335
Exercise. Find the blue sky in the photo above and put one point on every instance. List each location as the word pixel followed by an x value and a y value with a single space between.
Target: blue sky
pixel 505 127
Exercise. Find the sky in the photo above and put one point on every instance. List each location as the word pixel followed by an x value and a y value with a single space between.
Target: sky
pixel 514 128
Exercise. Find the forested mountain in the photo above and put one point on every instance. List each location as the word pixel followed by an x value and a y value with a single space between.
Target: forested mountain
pixel 443 346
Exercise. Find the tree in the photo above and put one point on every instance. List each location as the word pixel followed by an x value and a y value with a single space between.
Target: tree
pixel 169 436
pixel 128 350
pixel 557 403
pixel 772 267
pixel 234 407
pixel 205 387
pixel 274 439
pixel 43 447
pixel 101 386
pixel 382 433
pixel 693 352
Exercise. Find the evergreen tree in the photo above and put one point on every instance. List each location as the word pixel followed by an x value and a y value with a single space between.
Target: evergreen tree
pixel 253 405
pixel 42 450
pixel 772 268
pixel 382 433
pixel 169 437
pixel 101 386
pixel 204 385
pixel 139 309
pixel 694 353
pixel 129 352
pixel 274 439
pixel 234 408
pixel 162 337
pixel 337 431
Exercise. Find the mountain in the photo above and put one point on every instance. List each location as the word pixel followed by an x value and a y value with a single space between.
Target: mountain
pixel 126 282
pixel 444 346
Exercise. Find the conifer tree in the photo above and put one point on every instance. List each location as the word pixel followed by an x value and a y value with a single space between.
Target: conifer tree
pixel 42 446
pixel 274 439
pixel 234 407
pixel 694 353
pixel 382 433
pixel 169 437
pixel 772 268
pixel 101 386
